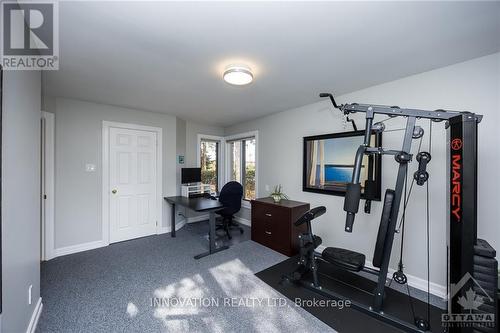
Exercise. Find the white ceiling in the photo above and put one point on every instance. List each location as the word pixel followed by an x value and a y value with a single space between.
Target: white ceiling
pixel 169 57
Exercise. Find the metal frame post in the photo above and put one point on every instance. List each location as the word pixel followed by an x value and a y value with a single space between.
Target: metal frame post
pixel 400 181
pixel 462 200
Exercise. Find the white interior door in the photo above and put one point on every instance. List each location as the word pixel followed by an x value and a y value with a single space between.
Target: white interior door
pixel 132 183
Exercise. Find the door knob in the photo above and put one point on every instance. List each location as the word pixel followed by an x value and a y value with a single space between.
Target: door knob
pixel 113 191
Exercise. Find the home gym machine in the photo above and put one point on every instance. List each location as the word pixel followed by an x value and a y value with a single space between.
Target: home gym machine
pixel 471 261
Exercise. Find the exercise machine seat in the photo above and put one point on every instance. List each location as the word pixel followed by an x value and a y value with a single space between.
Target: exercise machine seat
pixel 346 259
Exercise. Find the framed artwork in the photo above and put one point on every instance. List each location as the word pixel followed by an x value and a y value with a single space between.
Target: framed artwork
pixel 329 163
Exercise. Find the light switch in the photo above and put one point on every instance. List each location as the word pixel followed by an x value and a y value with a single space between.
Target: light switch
pixel 90 167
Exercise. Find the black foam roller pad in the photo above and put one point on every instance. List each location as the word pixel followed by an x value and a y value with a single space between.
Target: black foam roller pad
pixel 352 197
pixel 370 190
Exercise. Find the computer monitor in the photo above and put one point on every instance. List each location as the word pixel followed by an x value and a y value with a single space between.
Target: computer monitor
pixel 190 175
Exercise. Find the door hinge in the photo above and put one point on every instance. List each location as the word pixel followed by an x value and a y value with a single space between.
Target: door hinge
pixel 156 222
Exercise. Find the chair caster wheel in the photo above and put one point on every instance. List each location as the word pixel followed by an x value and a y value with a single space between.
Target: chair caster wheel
pixel 422 324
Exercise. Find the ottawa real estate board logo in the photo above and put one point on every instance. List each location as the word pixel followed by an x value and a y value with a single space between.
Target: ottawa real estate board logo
pixel 475 302
pixel 29 35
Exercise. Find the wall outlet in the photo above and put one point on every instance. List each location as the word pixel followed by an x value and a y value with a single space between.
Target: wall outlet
pixel 29 294
pixel 267 188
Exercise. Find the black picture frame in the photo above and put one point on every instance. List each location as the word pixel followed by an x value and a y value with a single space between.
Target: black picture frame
pixel 377 163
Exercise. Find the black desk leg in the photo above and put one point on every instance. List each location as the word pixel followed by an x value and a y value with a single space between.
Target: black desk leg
pixel 211 233
pixel 172 233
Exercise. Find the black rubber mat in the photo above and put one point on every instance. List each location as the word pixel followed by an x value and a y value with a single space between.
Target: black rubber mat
pixel 348 319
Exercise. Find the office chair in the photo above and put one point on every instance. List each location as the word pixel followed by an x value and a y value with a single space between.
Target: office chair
pixel 230 196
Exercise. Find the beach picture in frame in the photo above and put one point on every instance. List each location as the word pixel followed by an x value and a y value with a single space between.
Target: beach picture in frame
pixel 329 163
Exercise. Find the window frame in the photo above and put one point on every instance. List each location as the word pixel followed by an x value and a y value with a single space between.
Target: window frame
pixel 227 165
pixel 220 155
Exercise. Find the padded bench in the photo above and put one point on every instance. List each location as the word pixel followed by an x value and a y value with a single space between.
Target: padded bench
pixel 346 259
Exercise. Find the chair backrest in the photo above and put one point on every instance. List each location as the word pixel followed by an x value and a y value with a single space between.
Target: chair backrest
pixel 231 194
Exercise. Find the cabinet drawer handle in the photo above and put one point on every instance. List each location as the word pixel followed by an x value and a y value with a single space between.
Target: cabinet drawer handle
pixel 268 232
pixel 267 214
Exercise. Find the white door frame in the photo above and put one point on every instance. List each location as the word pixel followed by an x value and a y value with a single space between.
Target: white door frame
pixel 47 181
pixel 106 125
pixel 221 162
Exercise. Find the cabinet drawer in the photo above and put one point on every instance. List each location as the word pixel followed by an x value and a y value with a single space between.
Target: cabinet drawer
pixel 263 232
pixel 267 212
pixel 271 235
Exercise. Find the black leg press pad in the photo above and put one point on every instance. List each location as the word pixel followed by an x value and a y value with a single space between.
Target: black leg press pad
pixel 348 319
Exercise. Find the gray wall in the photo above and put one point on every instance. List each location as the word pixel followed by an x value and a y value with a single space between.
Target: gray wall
pixel 20 197
pixel 78 217
pixel 472 85
pixel 180 149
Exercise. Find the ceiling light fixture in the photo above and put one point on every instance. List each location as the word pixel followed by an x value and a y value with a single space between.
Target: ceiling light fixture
pixel 238 75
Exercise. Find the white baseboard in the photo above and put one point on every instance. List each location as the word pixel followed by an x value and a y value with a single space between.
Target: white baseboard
pixel 413 281
pixel 178 225
pixel 197 218
pixel 242 221
pixel 97 244
pixel 35 316
pixel 78 248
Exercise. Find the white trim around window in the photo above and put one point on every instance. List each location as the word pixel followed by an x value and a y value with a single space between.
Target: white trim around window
pixel 220 163
pixel 227 167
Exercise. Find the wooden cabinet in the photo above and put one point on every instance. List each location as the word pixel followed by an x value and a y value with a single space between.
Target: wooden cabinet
pixel 272 224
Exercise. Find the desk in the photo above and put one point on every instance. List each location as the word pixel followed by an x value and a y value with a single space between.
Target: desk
pixel 199 205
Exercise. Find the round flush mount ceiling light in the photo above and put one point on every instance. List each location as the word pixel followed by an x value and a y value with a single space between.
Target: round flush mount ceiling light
pixel 238 75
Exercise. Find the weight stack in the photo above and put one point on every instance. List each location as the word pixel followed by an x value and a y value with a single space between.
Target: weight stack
pixel 486 276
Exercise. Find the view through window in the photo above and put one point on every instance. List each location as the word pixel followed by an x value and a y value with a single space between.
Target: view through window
pixel 209 160
pixel 242 164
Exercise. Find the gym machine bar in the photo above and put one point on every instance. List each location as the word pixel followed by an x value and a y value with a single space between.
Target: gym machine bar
pixel 353 192
pixel 394 111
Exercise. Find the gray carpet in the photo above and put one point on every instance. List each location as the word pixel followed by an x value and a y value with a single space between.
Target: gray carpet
pixel 110 289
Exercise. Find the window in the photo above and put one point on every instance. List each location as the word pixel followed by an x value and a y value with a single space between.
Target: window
pixel 242 166
pixel 209 163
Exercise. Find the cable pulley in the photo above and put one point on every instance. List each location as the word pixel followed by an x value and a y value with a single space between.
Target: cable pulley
pixel 421 175
pixel 422 324
pixel 418 132
pixel 399 277
pixel 378 127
